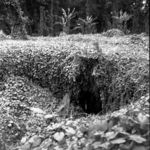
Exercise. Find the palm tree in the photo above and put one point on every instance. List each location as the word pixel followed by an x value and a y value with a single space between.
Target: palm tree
pixel 121 20
pixel 66 19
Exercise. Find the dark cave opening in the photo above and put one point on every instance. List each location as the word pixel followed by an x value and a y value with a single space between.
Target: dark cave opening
pixel 90 102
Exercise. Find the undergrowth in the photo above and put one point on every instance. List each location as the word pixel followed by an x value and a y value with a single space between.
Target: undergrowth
pixel 37 73
pixel 64 65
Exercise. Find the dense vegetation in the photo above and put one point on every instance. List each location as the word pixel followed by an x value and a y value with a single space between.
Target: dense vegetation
pixel 50 17
pixel 42 82
pixel 85 85
pixel 83 71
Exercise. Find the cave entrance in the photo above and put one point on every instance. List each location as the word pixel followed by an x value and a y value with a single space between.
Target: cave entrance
pixel 90 101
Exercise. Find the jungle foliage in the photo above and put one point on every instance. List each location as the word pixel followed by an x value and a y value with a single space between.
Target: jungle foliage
pixel 41 17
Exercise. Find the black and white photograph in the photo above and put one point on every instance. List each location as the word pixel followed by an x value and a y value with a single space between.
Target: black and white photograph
pixel 74 75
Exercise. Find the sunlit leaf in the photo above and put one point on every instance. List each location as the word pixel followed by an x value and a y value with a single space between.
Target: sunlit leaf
pixel 111 135
pixel 118 141
pixel 137 138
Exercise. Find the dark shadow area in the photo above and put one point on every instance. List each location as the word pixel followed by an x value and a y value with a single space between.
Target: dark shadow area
pixel 90 102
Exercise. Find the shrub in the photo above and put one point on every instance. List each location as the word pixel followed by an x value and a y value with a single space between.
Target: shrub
pixel 87 25
pixel 121 21
pixel 121 80
pixel 66 18
pixel 3 36
pixel 113 32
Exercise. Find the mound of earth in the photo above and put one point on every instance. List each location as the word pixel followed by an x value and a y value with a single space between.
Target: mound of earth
pixel 113 32
pixel 35 108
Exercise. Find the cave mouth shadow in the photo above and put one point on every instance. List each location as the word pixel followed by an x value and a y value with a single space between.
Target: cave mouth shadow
pixel 90 101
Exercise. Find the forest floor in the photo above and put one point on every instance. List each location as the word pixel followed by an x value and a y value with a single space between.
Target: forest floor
pixel 40 127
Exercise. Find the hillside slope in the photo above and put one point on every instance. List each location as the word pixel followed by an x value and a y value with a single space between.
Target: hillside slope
pixel 34 116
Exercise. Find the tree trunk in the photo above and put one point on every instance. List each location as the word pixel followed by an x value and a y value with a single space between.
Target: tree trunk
pixel 115 9
pixel 147 24
pixel 52 18
pixel 125 27
pixel 56 12
pixel 87 8
pixel 41 25
pixel 135 22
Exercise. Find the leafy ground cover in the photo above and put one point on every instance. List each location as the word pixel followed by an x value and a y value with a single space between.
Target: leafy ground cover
pixel 33 118
pixel 115 69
